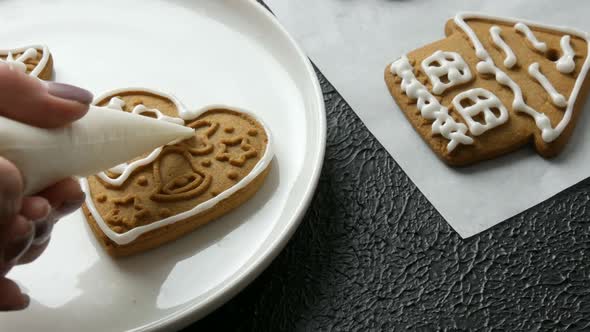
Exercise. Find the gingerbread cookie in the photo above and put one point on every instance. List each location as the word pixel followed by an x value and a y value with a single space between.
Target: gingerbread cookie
pixel 169 192
pixel 493 85
pixel 35 60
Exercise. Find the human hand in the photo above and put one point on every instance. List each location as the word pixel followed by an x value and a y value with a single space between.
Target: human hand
pixel 26 222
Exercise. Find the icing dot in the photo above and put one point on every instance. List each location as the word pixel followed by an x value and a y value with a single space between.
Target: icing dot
pixel 142 181
pixel 206 163
pixel 254 132
pixel 229 130
pixel 101 198
pixel 232 175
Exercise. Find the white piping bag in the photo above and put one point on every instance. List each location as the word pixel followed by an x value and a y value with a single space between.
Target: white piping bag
pixel 100 140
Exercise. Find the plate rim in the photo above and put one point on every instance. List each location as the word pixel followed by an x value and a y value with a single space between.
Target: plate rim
pixel 192 313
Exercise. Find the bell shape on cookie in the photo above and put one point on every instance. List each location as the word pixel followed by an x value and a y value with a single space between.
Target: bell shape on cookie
pixel 35 60
pixel 492 86
pixel 178 177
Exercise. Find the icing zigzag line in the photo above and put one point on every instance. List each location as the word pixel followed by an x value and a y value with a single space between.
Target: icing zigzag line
pixel 556 98
pixel 510 60
pixel 429 106
pixel 566 63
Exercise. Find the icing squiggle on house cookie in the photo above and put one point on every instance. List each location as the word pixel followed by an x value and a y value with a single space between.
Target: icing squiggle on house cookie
pixel 185 114
pixel 566 63
pixel 429 106
pixel 28 53
pixel 510 59
pixel 487 66
pixel 556 98
pixel 524 29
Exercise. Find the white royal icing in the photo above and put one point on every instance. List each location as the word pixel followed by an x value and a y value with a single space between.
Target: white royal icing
pixel 556 98
pixel 429 106
pixel 28 52
pixel 482 101
pixel 449 64
pixel 510 59
pixel 566 63
pixel 487 66
pixel 126 169
pixel 524 29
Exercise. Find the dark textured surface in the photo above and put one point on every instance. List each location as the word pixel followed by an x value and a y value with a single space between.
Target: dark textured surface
pixel 373 254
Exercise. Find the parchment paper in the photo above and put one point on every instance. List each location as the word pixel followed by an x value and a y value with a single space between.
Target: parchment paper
pixel 352 41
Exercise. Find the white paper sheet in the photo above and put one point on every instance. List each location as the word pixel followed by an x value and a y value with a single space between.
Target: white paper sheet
pixel 352 41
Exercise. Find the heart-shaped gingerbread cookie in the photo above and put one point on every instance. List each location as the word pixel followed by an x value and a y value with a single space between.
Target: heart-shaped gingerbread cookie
pixel 160 196
pixel 35 60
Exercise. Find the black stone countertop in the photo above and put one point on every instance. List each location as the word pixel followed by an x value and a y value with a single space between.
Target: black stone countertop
pixel 373 254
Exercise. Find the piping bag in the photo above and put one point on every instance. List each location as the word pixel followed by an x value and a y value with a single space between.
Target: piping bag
pixel 102 139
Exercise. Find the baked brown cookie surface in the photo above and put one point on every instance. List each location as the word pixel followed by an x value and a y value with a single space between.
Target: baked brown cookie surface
pixel 35 60
pixel 169 192
pixel 493 85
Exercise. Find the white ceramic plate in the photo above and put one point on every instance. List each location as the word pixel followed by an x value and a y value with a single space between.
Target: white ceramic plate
pixel 205 52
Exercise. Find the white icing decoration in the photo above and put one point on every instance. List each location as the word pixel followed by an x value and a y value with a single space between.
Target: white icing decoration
pixel 129 236
pixel 484 101
pixel 556 98
pixel 510 59
pixel 451 65
pixel 524 29
pixel 487 66
pixel 429 106
pixel 566 63
pixel 28 52
pixel 126 169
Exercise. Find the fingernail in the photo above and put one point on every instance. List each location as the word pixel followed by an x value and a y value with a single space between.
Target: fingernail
pixel 22 239
pixel 43 230
pixel 25 302
pixel 70 92
pixel 70 206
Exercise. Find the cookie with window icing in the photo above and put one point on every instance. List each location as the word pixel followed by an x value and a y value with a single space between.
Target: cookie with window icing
pixel 492 86
pixel 35 60
pixel 160 196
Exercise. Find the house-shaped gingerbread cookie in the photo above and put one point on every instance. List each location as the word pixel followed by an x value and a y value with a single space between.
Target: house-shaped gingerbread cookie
pixel 493 85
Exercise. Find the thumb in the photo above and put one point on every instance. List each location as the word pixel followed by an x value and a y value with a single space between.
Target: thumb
pixel 42 104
